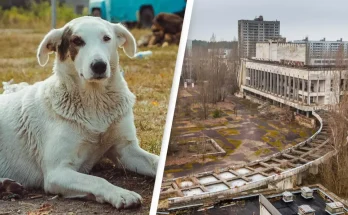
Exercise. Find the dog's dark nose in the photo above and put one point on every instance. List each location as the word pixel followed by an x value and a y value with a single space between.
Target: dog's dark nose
pixel 98 67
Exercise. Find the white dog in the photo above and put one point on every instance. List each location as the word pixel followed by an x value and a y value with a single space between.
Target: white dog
pixel 55 131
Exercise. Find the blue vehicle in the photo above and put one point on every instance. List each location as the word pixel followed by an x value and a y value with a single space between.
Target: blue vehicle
pixel 135 11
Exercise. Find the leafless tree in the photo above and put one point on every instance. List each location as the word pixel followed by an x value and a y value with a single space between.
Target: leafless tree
pixel 336 82
pixel 202 80
pixel 216 75
pixel 334 172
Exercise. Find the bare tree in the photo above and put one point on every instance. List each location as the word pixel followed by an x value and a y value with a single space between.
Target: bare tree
pixel 216 75
pixel 334 172
pixel 336 82
pixel 202 80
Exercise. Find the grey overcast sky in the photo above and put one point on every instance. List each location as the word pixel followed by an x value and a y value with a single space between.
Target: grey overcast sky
pixel 298 18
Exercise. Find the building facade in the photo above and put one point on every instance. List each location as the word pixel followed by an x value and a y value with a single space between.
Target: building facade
pixel 325 52
pixel 252 31
pixel 284 73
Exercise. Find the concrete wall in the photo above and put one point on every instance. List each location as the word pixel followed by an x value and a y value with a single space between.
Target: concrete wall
pixel 281 51
pixel 291 52
pixel 264 211
pixel 262 51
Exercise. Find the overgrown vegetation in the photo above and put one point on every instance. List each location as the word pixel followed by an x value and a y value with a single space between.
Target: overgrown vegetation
pixel 334 172
pixel 217 113
pixel 36 16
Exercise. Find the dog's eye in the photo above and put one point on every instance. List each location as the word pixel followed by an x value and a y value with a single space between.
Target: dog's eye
pixel 106 38
pixel 78 41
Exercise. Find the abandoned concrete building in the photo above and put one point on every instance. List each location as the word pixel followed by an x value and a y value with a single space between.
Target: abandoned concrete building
pixel 288 74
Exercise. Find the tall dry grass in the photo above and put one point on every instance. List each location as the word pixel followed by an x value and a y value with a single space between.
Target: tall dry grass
pixel 37 16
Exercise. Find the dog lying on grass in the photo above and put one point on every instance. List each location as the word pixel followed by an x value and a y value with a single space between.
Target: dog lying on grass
pixel 53 132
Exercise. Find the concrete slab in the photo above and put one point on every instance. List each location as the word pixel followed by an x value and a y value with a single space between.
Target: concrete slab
pixel 207 179
pixel 191 192
pixel 217 187
pixel 226 175
pixel 237 183
pixel 242 171
pixel 256 177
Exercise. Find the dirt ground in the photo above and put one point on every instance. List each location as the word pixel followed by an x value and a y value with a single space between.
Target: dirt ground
pixel 34 200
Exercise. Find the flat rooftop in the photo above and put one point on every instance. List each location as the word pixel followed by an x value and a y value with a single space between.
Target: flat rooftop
pixel 250 205
pixel 317 203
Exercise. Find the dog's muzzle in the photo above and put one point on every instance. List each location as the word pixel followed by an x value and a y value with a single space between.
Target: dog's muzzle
pixel 99 69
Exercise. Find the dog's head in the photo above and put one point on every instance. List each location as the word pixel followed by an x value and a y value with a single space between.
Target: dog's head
pixel 88 43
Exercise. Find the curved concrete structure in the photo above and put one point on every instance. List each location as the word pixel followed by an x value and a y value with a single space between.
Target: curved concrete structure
pixel 228 182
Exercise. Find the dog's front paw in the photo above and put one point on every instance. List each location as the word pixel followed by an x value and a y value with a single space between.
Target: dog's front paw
pixel 155 166
pixel 124 199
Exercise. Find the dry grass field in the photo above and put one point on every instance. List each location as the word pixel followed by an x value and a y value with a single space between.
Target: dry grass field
pixel 149 79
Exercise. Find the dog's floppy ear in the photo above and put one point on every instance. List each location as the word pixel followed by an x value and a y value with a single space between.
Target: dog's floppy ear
pixel 49 45
pixel 125 39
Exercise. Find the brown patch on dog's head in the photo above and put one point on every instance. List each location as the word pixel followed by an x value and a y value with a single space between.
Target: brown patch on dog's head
pixel 73 52
pixel 63 48
pixel 67 46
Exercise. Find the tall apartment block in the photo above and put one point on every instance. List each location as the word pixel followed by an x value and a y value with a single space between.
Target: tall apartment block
pixel 252 31
pixel 289 75
pixel 324 52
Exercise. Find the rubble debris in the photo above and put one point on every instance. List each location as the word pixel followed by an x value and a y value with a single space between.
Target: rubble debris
pixel 144 54
pixel 44 209
pixel 166 29
pixel 269 111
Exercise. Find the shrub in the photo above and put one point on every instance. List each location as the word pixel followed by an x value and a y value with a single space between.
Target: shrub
pixel 217 113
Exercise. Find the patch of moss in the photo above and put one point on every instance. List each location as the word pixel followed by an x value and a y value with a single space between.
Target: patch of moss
pixel 262 151
pixel 219 142
pixel 188 166
pixel 303 134
pixel 228 131
pixel 261 127
pixel 265 139
pixel 193 129
pixel 211 157
pixel 173 170
pixel 192 148
pixel 278 144
pixel 273 133
pixel 236 143
pixel 269 137
pixel 229 149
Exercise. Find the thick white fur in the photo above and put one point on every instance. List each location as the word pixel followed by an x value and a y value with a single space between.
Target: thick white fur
pixel 53 132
